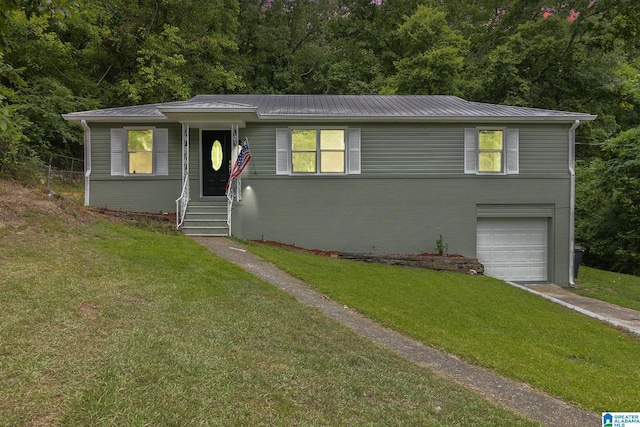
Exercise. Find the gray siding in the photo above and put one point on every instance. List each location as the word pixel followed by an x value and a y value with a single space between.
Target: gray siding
pixel 133 193
pixel 425 149
pixel 392 215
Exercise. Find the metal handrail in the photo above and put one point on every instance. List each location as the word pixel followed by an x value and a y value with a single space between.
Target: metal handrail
pixel 182 202
pixel 229 208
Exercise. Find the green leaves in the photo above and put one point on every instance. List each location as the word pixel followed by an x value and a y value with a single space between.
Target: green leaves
pixel 431 55
pixel 608 207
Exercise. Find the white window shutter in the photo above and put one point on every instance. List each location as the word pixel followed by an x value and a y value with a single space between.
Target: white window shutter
pixel 161 151
pixel 117 151
pixel 470 150
pixel 282 152
pixel 513 161
pixel 354 152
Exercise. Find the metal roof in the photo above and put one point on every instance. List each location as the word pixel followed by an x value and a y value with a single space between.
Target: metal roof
pixel 434 108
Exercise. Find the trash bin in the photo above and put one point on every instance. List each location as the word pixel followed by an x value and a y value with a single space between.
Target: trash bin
pixel 578 251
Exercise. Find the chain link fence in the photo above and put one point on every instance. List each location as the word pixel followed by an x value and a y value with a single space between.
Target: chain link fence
pixel 63 169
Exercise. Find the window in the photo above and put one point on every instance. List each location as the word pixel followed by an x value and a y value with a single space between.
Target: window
pixel 138 151
pixel 317 151
pixel 491 151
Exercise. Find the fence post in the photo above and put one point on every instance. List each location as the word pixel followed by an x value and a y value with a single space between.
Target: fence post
pixel 49 177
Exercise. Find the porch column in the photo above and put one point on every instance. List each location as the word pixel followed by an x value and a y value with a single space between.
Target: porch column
pixel 235 149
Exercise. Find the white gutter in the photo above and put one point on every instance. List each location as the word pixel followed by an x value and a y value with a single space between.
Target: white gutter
pixel 87 161
pixel 422 118
pixel 184 117
pixel 572 198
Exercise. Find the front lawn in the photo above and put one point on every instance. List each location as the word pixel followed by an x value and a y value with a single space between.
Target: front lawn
pixel 109 325
pixel 487 322
pixel 616 288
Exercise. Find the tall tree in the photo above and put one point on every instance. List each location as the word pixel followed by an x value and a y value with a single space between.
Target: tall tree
pixel 432 55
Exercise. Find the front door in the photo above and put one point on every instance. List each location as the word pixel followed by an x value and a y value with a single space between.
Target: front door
pixel 216 161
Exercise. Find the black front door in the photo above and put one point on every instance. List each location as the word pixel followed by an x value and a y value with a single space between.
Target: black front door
pixel 216 161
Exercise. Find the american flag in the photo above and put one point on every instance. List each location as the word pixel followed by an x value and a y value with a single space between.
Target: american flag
pixel 243 160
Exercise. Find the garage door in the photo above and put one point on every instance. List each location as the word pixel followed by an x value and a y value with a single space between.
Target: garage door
pixel 513 249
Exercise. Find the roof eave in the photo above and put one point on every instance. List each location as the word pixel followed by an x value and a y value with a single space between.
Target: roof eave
pixel 427 119
pixel 113 119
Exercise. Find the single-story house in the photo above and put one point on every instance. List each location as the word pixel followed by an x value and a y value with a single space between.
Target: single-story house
pixel 359 174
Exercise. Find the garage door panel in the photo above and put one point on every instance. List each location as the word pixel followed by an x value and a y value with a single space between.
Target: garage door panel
pixel 519 256
pixel 519 273
pixel 498 271
pixel 502 239
pixel 484 240
pixel 501 257
pixel 538 239
pixel 513 248
pixel 539 256
pixel 520 239
pixel 540 272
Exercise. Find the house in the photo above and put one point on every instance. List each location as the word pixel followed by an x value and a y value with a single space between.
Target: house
pixel 364 174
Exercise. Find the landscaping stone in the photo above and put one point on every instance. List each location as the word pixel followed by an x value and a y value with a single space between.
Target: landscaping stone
pixel 453 263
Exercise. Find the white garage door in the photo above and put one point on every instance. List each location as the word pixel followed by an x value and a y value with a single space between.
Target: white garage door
pixel 513 249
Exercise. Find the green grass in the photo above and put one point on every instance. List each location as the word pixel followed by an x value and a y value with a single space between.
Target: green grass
pixel 110 325
pixel 616 288
pixel 487 322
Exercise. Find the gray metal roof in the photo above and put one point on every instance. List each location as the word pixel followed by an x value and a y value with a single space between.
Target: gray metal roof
pixel 437 108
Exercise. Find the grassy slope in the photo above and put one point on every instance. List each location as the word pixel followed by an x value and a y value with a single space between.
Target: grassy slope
pixel 616 288
pixel 487 322
pixel 104 324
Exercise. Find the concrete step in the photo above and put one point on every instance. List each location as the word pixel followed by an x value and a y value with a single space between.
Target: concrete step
pixel 206 218
pixel 190 222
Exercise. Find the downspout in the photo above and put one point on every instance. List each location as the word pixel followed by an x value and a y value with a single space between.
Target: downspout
pixel 572 201
pixel 87 161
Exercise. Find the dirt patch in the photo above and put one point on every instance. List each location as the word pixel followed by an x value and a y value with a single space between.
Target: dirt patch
pixel 127 215
pixel 44 421
pixel 90 310
pixel 18 203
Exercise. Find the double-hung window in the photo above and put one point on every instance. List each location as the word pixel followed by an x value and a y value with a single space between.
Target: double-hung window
pixel 491 151
pixel 317 151
pixel 139 151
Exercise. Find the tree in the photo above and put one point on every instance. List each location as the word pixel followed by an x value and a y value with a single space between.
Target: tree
pixel 608 205
pixel 431 55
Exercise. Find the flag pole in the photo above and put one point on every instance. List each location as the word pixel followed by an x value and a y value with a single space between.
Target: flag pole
pixel 246 141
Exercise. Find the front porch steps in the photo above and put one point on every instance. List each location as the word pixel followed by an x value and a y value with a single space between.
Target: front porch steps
pixel 206 218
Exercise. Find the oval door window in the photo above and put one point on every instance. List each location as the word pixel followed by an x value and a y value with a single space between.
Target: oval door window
pixel 216 155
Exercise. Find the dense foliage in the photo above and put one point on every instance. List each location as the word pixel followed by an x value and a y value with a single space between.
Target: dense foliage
pixel 58 56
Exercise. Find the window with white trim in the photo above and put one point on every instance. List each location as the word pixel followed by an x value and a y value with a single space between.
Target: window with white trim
pixel 139 151
pixel 491 151
pixel 317 151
